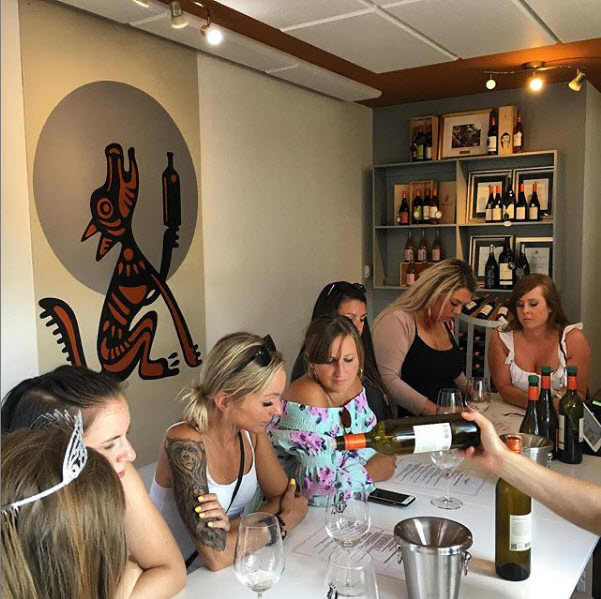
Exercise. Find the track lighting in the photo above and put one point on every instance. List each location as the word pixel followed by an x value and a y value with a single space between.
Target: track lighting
pixel 144 3
pixel 576 83
pixel 535 83
pixel 178 19
pixel 213 34
pixel 491 83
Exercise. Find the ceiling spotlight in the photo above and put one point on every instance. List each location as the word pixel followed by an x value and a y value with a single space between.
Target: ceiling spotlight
pixel 213 34
pixel 535 83
pixel 178 19
pixel 491 83
pixel 144 3
pixel 576 83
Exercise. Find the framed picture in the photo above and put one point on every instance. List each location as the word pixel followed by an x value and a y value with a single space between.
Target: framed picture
pixel 480 250
pixel 543 177
pixel 477 192
pixel 539 251
pixel 464 133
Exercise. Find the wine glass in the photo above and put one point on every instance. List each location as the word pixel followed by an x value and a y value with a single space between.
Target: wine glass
pixel 449 401
pixel 477 394
pixel 347 516
pixel 259 554
pixel 351 576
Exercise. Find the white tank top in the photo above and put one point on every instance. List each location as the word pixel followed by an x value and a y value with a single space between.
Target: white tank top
pixel 164 499
pixel 519 377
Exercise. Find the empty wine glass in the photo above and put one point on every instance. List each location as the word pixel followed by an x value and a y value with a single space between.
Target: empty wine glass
pixel 449 401
pixel 347 516
pixel 351 576
pixel 477 394
pixel 259 554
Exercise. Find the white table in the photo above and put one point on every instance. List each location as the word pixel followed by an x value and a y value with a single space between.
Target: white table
pixel 560 551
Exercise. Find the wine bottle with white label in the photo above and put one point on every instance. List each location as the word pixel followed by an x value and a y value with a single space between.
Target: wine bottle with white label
pixel 490 204
pixel 420 434
pixel 497 210
pixel 521 208
pixel 571 421
pixel 506 266
pixel 534 205
pixel 513 527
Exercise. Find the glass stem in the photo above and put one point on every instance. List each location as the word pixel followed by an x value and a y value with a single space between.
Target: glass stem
pixel 448 475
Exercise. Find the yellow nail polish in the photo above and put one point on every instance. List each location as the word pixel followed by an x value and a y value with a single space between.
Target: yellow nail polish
pixel 201 498
pixel 210 524
pixel 292 481
pixel 198 509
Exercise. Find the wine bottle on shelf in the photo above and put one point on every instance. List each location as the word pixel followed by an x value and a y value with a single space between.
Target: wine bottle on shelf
pixel 487 308
pixel 518 136
pixel 428 146
pixel 503 311
pixel 427 207
pixel 530 422
pixel 474 304
pixel 506 267
pixel 547 418
pixel 422 248
pixel 411 274
pixel 409 252
pixel 522 266
pixel 497 210
pixel 509 204
pixel 402 218
pixel 437 248
pixel 534 206
pixel 493 135
pixel 419 142
pixel 490 205
pixel 419 434
pixel 513 527
pixel 418 209
pixel 491 271
pixel 571 421
pixel 435 218
pixel 521 208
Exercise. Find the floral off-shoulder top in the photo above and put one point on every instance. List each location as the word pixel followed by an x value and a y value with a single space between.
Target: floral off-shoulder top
pixel 300 437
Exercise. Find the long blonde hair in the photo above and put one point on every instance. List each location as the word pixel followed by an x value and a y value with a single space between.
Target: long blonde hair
pixel 67 545
pixel 219 373
pixel 443 278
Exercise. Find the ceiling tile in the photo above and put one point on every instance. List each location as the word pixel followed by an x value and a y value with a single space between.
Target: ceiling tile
pixel 473 28
pixel 287 13
pixel 573 21
pixel 123 11
pixel 371 41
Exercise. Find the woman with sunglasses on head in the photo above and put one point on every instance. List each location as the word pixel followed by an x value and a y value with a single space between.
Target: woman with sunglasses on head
pixel 218 463
pixel 348 299
pixel 327 401
pixel 106 422
pixel 415 350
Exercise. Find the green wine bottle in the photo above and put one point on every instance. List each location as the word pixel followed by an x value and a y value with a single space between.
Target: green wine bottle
pixel 547 418
pixel 571 421
pixel 420 434
pixel 513 527
pixel 530 423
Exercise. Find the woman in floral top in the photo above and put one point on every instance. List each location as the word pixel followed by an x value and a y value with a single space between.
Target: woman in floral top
pixel 329 400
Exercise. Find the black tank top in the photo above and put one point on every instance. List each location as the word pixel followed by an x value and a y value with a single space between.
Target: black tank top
pixel 429 370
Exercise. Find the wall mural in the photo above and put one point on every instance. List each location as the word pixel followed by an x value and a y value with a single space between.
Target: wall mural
pixel 125 333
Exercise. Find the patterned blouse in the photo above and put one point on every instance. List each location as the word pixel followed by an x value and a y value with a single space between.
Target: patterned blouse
pixel 301 438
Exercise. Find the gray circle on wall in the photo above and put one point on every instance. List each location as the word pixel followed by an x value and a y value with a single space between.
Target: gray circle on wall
pixel 70 163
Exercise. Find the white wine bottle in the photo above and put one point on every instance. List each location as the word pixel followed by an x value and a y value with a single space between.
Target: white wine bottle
pixel 420 434
pixel 513 527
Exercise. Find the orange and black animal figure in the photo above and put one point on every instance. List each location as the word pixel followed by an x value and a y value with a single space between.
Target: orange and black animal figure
pixel 135 283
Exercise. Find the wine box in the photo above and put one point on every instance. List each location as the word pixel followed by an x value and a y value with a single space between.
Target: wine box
pixel 447 200
pixel 398 198
pixel 425 122
pixel 507 120
pixel 420 186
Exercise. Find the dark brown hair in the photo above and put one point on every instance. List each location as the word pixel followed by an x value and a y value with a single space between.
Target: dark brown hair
pixel 557 320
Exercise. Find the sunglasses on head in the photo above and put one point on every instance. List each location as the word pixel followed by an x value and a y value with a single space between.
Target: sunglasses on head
pixel 341 284
pixel 262 356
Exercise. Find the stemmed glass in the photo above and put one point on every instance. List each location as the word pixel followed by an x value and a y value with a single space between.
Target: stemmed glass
pixel 347 517
pixel 259 554
pixel 449 402
pixel 351 576
pixel 477 394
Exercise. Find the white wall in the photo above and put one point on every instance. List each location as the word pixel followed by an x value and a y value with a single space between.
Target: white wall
pixel 283 189
pixel 19 344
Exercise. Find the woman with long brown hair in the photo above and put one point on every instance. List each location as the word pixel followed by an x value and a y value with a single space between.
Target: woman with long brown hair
pixel 538 334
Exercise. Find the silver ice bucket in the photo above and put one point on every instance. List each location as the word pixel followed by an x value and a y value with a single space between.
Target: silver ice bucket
pixel 538 449
pixel 434 552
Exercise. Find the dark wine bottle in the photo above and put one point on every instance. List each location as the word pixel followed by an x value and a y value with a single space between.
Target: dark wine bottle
pixel 503 311
pixel 491 271
pixel 530 423
pixel 571 421
pixel 493 135
pixel 513 527
pixel 534 206
pixel 409 252
pixel 522 266
pixel 490 204
pixel 420 434
pixel 521 208
pixel 437 248
pixel 428 147
pixel 509 204
pixel 474 304
pixel 427 207
pixel 411 274
pixel 418 209
pixel 518 136
pixel 172 202
pixel 497 210
pixel 506 266
pixel 419 142
pixel 402 217
pixel 437 214
pixel 547 418
pixel 487 308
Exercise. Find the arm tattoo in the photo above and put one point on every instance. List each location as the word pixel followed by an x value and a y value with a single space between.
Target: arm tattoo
pixel 188 461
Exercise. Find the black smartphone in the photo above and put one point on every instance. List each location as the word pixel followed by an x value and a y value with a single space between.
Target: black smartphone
pixel 391 498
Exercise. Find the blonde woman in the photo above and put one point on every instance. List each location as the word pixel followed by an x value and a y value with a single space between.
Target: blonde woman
pixel 66 544
pixel 415 350
pixel 216 463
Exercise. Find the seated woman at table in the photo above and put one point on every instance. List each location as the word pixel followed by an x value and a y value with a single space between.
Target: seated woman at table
pixel 537 334
pixel 415 350
pixel 348 299
pixel 67 543
pixel 106 422
pixel 327 401
pixel 220 456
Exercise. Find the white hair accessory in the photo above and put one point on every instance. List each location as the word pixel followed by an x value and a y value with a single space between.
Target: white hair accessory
pixel 74 462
